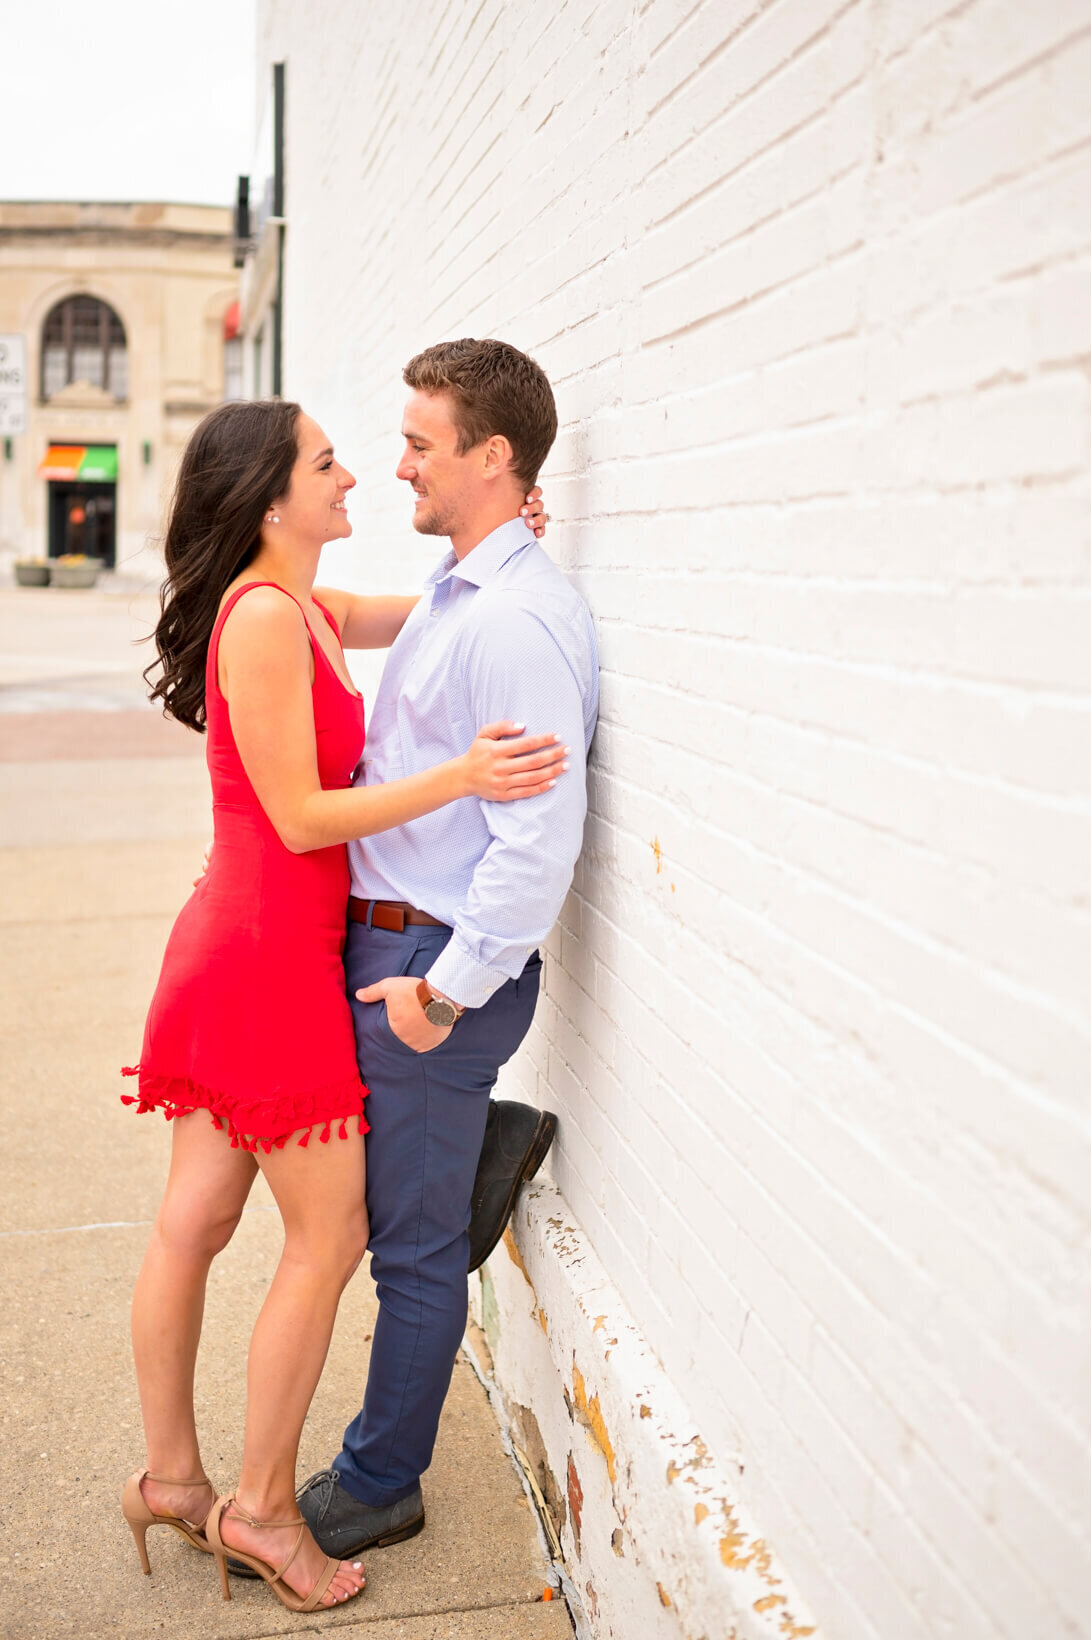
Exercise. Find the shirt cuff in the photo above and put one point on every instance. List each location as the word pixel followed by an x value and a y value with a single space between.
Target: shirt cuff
pixel 463 977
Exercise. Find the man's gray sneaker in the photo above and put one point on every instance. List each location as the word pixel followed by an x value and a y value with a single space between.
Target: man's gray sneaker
pixel 343 1527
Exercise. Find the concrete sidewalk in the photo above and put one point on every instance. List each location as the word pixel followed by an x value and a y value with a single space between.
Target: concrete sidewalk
pixel 103 817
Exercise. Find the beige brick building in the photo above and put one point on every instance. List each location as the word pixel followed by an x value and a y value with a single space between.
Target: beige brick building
pixel 121 310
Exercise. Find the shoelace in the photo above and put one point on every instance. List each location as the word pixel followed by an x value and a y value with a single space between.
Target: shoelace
pixel 323 1483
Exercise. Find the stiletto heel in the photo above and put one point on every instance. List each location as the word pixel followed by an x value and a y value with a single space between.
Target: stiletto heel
pixel 273 1576
pixel 140 1537
pixel 135 1509
pixel 225 1581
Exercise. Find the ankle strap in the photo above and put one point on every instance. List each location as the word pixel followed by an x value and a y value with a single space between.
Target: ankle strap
pixel 165 1480
pixel 233 1503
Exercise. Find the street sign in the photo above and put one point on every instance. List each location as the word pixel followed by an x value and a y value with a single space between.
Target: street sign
pixel 13 385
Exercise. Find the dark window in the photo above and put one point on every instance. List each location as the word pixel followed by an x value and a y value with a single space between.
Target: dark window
pixel 83 340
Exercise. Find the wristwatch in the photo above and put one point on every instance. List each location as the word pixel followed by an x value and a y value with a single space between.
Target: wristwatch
pixel 437 1010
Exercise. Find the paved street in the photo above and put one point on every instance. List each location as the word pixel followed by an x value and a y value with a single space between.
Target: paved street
pixel 103 817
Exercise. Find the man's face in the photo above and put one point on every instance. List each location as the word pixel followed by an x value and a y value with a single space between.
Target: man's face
pixel 447 486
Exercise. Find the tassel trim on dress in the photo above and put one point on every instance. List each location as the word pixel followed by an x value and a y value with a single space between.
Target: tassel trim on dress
pixel 181 1096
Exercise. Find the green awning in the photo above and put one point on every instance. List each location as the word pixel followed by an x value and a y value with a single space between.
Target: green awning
pixel 100 462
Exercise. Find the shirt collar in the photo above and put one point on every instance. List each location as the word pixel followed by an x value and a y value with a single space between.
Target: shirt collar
pixel 489 556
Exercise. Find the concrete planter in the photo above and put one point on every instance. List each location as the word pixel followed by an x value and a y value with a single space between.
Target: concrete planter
pixel 77 575
pixel 32 575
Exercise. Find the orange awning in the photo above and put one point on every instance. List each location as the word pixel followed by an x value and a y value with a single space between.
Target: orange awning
pixel 231 322
pixel 62 461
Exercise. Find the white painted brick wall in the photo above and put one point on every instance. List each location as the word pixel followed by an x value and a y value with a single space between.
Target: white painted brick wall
pixel 812 280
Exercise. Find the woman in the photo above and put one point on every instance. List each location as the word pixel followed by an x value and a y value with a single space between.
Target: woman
pixel 250 1022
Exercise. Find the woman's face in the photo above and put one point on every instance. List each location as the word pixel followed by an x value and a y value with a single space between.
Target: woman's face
pixel 313 509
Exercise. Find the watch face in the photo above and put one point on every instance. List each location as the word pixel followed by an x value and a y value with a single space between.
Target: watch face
pixel 440 1013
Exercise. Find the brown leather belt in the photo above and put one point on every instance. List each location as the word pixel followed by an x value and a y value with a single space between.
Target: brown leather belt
pixel 393 915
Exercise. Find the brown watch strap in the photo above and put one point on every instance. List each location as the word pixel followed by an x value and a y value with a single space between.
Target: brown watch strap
pixel 425 995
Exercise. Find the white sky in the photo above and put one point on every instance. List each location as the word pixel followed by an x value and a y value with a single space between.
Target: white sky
pixel 126 100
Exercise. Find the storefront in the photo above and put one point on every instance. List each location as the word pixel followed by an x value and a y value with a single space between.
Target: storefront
pixel 119 316
pixel 82 509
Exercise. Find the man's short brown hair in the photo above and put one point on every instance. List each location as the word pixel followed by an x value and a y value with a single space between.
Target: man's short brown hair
pixel 494 389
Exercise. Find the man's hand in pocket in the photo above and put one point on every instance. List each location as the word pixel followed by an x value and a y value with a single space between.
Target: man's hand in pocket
pixel 404 1013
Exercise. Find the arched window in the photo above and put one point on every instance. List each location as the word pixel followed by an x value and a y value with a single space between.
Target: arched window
pixel 83 340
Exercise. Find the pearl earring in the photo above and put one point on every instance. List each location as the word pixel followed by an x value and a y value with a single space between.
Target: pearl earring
pixel 273 518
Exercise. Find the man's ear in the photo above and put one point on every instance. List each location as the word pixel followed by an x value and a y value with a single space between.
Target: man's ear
pixel 498 456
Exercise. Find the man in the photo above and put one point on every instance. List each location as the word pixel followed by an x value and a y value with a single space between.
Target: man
pixel 447 912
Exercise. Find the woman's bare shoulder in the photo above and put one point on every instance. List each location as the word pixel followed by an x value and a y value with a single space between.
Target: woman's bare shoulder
pixel 268 620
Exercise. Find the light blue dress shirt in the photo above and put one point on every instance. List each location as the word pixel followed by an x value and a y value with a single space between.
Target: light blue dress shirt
pixel 500 634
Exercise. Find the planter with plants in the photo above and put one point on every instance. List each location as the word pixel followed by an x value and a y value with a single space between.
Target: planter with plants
pixel 32 572
pixel 75 569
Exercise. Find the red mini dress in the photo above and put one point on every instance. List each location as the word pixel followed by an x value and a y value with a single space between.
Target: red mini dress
pixel 250 1020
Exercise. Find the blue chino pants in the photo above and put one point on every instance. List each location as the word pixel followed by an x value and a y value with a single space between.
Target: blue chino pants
pixel 427 1114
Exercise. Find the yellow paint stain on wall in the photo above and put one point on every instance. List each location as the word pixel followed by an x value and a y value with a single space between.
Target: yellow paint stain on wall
pixel 731 1547
pixel 592 1414
pixel 516 1257
pixel 700 1513
pixel 645 1412
pixel 673 1472
pixel 792 1630
pixel 600 1322
pixel 768 1601
pixel 734 1552
pixel 543 1321
pixel 664 1597
pixel 700 1454
pixel 657 850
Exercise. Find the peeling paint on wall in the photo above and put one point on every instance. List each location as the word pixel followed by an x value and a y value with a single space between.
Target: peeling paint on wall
pixel 515 1256
pixel 590 1413
pixel 655 1516
pixel 575 1500
pixel 528 1435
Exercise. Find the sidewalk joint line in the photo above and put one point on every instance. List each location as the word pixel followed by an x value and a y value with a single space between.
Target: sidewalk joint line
pixel 401 1617
pixel 113 1224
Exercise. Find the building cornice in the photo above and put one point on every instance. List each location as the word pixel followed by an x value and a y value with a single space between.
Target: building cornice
pixel 160 238
pixel 87 222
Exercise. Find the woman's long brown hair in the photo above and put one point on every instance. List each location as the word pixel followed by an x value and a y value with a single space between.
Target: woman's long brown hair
pixel 238 461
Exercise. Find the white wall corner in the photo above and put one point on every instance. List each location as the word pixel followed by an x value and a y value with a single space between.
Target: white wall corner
pixel 653 1537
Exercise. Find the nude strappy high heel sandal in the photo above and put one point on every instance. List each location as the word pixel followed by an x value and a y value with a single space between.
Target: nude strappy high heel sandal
pixel 140 1517
pixel 274 1578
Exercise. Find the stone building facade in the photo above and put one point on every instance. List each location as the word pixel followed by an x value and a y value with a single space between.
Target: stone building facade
pixel 121 309
pixel 795 1338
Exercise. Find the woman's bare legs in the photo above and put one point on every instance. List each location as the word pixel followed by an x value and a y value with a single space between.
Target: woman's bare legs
pixel 206 1191
pixel 320 1192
